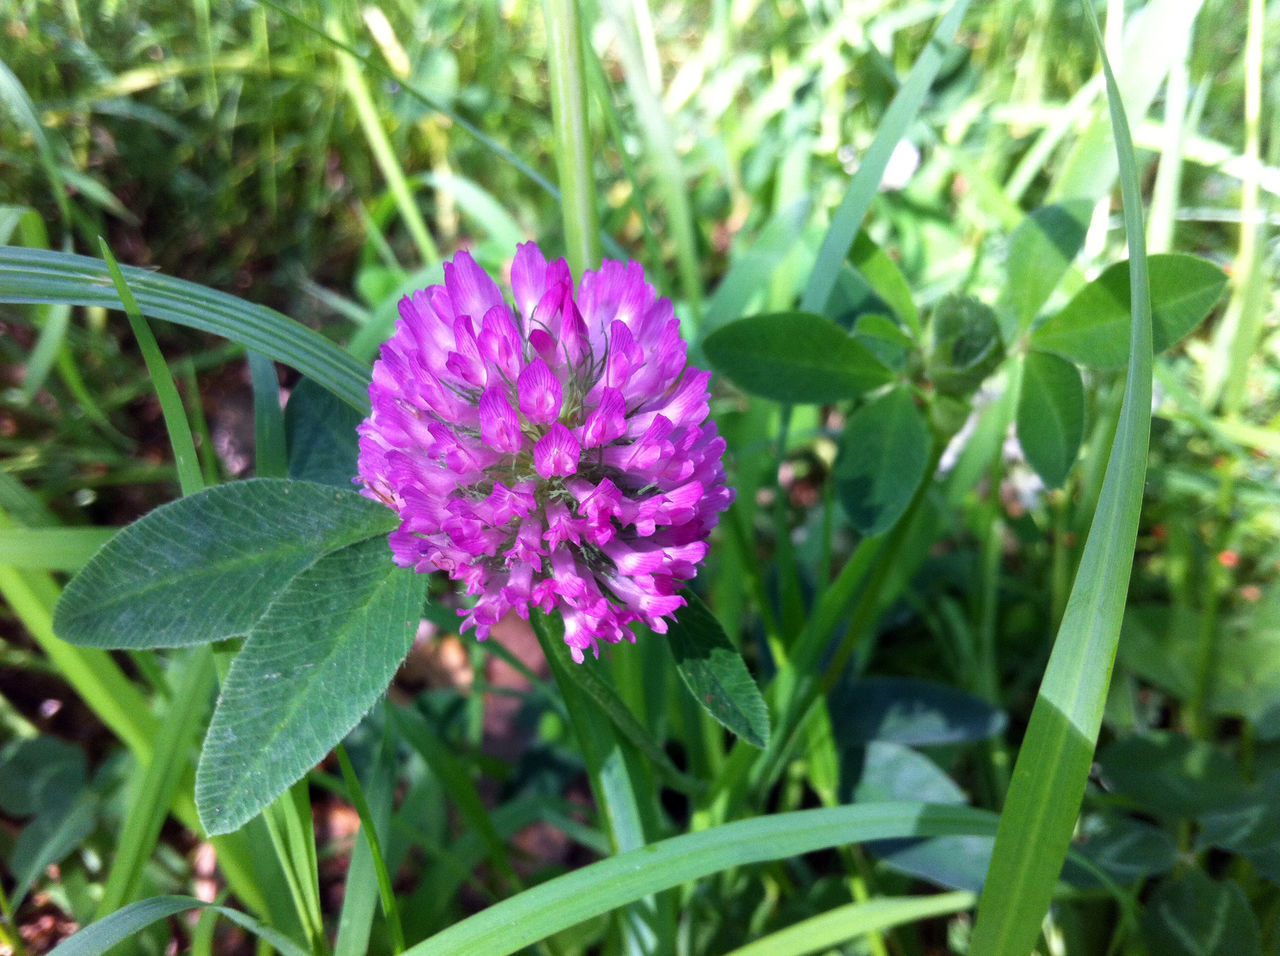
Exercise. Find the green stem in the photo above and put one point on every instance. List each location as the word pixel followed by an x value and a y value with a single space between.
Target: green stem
pixel 385 891
pixel 573 139
pixel 383 153
pixel 614 772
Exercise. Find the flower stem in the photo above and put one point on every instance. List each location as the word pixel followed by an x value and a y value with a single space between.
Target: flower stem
pixel 573 138
pixel 613 772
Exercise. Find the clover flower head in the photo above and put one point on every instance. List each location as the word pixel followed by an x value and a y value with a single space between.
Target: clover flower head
pixel 558 456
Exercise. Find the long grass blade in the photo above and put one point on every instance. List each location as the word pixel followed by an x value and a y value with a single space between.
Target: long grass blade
pixel 1053 765
pixel 374 845
pixel 39 275
pixel 897 119
pixel 175 415
pixel 51 549
pixel 567 900
pixel 158 783
pixel 844 924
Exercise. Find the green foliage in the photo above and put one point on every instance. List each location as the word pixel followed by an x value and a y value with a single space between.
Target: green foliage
pixel 889 233
pixel 715 674
pixel 795 357
pixel 1050 415
pixel 1092 328
pixel 884 452
pixel 315 662
pixel 1041 250
pixel 964 345
pixel 244 542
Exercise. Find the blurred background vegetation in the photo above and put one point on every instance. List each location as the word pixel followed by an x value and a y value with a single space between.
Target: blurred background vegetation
pixel 322 158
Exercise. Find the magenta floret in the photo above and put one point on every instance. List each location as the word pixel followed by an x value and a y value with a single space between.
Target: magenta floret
pixel 558 458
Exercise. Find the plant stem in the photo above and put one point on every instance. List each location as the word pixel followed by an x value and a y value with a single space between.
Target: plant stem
pixel 573 138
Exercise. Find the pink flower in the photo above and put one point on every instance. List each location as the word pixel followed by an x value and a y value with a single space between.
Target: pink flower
pixel 557 457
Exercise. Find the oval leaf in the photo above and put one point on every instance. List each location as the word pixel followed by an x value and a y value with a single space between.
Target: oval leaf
pixel 205 567
pixel 318 660
pixel 1195 915
pixel 882 459
pixel 906 710
pixel 798 357
pixel 320 431
pixel 884 276
pixel 715 673
pixel 1041 249
pixel 1093 328
pixel 1050 415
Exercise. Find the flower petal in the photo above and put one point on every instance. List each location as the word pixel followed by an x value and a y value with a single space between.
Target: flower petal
pixel 540 392
pixel 557 452
pixel 607 420
pixel 499 424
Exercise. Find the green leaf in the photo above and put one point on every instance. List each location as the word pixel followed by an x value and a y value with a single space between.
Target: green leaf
pixel 907 710
pixel 1127 849
pixel 715 673
pixel 1170 775
pixel 852 296
pixel 38 275
pixel 1050 415
pixel 1195 915
pixel 886 279
pixel 752 267
pixel 890 771
pixel 320 431
pixel 98 937
pixel 798 357
pixel 205 567
pixel 315 663
pixel 885 338
pixel 883 455
pixel 1162 644
pixel 39 773
pixel 1093 328
pixel 1041 250
pixel 50 838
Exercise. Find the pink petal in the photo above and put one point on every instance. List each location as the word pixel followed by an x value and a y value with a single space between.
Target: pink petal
pixel 499 342
pixel 472 291
pixel 556 453
pixel 607 421
pixel 499 425
pixel 528 277
pixel 540 393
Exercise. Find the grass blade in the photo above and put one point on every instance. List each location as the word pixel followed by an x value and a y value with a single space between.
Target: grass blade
pixel 99 937
pixel 567 900
pixel 1053 766
pixel 51 549
pixel 150 800
pixel 846 923
pixel 175 415
pixel 383 152
pixel 862 188
pixel 353 932
pixel 39 275
pixel 270 458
